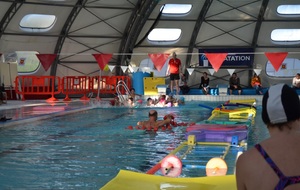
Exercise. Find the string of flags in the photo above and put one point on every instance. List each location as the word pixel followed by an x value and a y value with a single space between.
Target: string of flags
pixel 159 60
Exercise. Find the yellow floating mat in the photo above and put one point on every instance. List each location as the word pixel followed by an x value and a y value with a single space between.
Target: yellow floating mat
pixel 245 101
pixel 128 180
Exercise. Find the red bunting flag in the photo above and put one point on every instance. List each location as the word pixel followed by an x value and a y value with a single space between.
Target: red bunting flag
pixel 46 60
pixel 276 59
pixel 102 59
pixel 158 60
pixel 216 59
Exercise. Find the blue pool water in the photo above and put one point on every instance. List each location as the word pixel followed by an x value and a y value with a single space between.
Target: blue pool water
pixel 86 149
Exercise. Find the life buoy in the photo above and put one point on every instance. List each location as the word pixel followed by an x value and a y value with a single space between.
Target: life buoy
pixel 216 167
pixel 171 166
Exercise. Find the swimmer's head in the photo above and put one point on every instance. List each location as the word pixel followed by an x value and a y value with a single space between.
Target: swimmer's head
pixel 153 113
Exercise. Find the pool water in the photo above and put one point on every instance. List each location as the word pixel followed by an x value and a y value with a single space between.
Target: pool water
pixel 86 149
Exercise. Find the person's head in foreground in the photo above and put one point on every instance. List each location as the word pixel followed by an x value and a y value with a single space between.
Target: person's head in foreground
pixel 274 162
pixel 280 106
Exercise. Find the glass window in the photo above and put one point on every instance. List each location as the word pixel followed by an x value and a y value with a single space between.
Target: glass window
pixel 288 68
pixel 37 22
pixel 164 34
pixel 286 35
pixel 176 8
pixel 288 10
pixel 28 63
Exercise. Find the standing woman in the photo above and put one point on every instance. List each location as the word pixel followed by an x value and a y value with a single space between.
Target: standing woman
pixel 204 85
pixel 174 70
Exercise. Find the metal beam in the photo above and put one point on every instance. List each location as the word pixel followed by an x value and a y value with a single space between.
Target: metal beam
pixel 10 13
pixel 259 22
pixel 137 21
pixel 61 4
pixel 198 24
pixel 64 32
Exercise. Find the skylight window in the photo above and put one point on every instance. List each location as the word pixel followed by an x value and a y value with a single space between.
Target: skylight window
pixel 37 22
pixel 286 35
pixel 176 9
pixel 289 10
pixel 164 34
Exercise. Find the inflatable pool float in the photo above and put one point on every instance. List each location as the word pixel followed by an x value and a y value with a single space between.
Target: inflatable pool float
pixel 222 135
pixel 128 180
pixel 215 127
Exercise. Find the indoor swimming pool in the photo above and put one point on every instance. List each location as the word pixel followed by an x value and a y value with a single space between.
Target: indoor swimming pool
pixel 86 149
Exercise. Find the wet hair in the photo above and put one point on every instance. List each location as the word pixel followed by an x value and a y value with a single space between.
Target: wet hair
pixel 153 114
pixel 149 99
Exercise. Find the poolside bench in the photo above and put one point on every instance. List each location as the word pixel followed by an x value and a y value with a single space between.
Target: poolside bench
pixel 215 91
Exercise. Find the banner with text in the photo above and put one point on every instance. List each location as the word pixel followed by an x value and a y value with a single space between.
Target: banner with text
pixel 237 57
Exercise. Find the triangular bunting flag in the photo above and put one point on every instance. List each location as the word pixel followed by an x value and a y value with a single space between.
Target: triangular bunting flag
pixel 216 59
pixel 135 69
pixel 111 67
pixel 46 60
pixel 190 70
pixel 211 71
pixel 230 71
pixel 130 68
pixel 257 71
pixel 158 60
pixel 276 59
pixel 146 69
pixel 102 59
pixel 124 68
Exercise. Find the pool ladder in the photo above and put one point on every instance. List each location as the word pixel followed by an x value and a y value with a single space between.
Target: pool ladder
pixel 122 98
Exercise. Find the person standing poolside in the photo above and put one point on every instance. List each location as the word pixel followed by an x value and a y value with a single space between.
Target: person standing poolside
pixel 274 162
pixel 174 70
pixel 204 84
pixel 296 81
pixel 153 122
pixel 234 84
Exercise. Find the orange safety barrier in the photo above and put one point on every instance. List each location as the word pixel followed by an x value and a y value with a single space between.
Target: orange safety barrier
pixel 108 84
pixel 75 85
pixel 37 85
pixel 69 85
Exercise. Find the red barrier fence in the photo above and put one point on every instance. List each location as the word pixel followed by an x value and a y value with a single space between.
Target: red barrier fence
pixel 108 84
pixel 69 85
pixel 37 85
pixel 75 85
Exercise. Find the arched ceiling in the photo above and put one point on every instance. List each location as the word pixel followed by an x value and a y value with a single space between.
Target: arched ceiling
pixel 84 27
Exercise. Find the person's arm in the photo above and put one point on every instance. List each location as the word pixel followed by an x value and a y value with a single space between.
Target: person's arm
pixel 294 81
pixel 231 81
pixel 259 81
pixel 240 173
pixel 207 86
pixel 168 69
pixel 165 121
pixel 201 82
pixel 180 68
pixel 140 123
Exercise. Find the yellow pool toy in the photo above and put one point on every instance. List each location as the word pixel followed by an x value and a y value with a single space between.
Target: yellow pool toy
pixel 128 180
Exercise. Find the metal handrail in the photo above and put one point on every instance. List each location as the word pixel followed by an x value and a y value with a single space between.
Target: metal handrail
pixel 121 97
